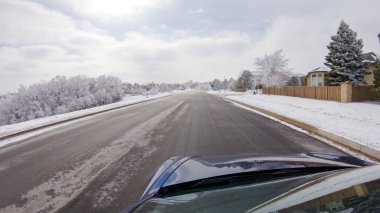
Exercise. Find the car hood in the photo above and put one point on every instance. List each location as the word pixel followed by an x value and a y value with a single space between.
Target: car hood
pixel 343 190
pixel 197 168
pixel 185 169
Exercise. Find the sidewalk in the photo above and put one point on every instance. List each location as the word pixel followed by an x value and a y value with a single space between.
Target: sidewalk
pixel 357 122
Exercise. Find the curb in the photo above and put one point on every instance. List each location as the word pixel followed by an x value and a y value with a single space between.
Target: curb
pixel 369 152
pixel 14 134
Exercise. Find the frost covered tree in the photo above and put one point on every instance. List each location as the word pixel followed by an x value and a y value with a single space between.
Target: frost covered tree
pixel 231 83
pixel 245 80
pixel 127 88
pixel 217 84
pixel 59 95
pixel 273 69
pixel 150 89
pixel 345 57
pixel 256 80
pixel 164 87
pixel 225 84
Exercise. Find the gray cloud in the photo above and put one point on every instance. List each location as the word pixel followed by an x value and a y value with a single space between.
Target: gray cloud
pixel 166 40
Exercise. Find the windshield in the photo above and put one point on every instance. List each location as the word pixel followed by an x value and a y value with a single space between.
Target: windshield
pixel 107 103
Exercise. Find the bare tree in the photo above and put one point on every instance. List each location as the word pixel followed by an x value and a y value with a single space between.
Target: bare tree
pixel 245 80
pixel 273 69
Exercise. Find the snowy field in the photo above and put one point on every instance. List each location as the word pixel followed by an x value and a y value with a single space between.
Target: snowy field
pixel 359 122
pixel 9 129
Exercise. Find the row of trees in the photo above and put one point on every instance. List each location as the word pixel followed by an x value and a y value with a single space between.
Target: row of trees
pixel 57 96
pixel 61 95
pixel 224 85
pixel 154 88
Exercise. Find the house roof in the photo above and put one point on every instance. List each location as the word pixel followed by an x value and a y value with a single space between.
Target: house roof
pixel 319 70
pixel 370 57
pixel 299 75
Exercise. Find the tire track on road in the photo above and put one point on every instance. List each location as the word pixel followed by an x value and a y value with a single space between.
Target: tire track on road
pixel 67 184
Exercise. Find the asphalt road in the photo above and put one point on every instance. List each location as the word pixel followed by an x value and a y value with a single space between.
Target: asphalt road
pixel 102 164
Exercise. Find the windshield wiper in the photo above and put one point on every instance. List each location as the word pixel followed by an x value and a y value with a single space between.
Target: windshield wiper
pixel 242 179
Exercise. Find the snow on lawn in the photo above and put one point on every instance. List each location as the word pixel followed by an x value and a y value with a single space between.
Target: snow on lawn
pixel 8 129
pixel 359 122
pixel 225 92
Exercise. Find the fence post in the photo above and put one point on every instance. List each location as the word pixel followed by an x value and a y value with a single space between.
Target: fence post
pixel 346 92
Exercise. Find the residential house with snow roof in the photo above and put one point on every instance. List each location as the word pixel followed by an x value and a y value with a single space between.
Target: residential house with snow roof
pixel 316 77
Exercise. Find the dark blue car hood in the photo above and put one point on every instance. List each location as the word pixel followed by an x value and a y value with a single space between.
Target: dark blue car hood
pixel 180 170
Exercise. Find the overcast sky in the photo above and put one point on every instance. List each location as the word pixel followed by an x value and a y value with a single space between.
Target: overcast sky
pixel 168 40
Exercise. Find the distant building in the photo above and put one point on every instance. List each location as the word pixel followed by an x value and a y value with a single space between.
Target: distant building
pixel 316 77
pixel 372 59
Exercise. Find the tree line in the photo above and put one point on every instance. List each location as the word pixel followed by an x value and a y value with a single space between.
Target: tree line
pixel 59 95
pixel 67 94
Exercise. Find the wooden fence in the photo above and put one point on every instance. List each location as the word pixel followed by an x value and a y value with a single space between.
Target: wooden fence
pixel 331 93
pixel 240 89
pixel 362 93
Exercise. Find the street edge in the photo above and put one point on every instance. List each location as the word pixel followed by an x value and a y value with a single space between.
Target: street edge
pixel 368 152
pixel 14 134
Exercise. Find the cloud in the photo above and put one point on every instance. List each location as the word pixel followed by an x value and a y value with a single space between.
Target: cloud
pixel 184 57
pixel 196 11
pixel 56 44
pixel 305 46
pixel 125 9
pixel 304 38
pixel 38 42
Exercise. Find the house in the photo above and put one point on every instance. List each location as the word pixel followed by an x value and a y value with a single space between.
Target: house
pixel 316 77
pixel 372 59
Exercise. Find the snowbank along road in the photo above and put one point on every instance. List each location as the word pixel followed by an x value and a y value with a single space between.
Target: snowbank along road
pixel 103 164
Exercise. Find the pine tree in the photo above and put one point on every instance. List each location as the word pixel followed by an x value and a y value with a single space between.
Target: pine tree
pixel 345 58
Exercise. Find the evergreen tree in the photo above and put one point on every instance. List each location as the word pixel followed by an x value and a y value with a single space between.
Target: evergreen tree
pixel 376 73
pixel 345 58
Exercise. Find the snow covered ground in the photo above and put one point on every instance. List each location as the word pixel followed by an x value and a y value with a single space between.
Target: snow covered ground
pixel 225 92
pixel 9 129
pixel 359 122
